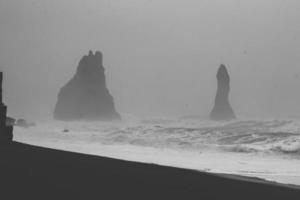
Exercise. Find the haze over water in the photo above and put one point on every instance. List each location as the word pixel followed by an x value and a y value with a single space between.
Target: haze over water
pixel 160 56
pixel 160 59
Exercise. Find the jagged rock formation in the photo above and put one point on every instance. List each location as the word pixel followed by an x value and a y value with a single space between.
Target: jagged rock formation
pixel 222 109
pixel 85 96
pixel 6 131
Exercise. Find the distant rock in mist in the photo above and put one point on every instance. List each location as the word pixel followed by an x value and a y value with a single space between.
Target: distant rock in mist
pixel 85 96
pixel 24 124
pixel 222 109
pixel 10 121
pixel 20 122
pixel 6 131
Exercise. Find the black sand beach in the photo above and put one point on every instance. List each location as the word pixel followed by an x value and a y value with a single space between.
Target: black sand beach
pixel 29 172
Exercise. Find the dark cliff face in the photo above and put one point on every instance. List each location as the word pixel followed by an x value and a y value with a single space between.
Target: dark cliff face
pixel 222 109
pixel 6 131
pixel 85 96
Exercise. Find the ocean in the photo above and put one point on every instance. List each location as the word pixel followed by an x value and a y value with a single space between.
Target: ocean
pixel 267 149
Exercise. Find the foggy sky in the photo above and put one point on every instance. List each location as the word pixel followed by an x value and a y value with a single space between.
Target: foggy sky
pixel 160 56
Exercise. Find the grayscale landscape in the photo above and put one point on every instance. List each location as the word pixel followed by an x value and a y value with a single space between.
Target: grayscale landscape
pixel 211 86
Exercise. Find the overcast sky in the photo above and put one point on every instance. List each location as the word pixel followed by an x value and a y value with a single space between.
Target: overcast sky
pixel 160 56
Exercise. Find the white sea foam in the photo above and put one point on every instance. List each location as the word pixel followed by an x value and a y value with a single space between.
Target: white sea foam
pixel 262 148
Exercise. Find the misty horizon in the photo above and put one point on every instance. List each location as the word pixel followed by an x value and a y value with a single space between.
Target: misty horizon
pixel 160 57
pixel 150 99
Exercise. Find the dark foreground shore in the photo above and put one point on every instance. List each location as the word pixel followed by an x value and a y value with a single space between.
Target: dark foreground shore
pixel 28 172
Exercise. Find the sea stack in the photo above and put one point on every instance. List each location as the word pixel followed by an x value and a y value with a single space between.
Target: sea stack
pixel 222 109
pixel 85 96
pixel 6 131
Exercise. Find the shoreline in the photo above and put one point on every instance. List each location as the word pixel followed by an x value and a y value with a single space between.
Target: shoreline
pixel 208 160
pixel 41 173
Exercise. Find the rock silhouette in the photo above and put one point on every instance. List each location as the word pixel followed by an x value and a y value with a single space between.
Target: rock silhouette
pixel 222 109
pixel 85 96
pixel 6 131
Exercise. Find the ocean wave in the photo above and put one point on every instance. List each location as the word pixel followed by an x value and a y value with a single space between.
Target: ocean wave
pixel 246 136
pixel 268 149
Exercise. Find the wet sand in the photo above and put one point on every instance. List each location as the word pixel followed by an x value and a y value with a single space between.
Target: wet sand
pixel 29 172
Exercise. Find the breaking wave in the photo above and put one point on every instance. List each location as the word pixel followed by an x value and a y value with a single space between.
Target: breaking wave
pixel 268 149
pixel 280 137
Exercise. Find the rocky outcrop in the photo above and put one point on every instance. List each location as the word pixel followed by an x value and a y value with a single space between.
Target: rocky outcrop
pixel 222 109
pixel 6 131
pixel 85 96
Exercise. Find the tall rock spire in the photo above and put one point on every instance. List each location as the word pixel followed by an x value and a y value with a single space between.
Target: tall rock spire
pixel 85 96
pixel 6 132
pixel 222 109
